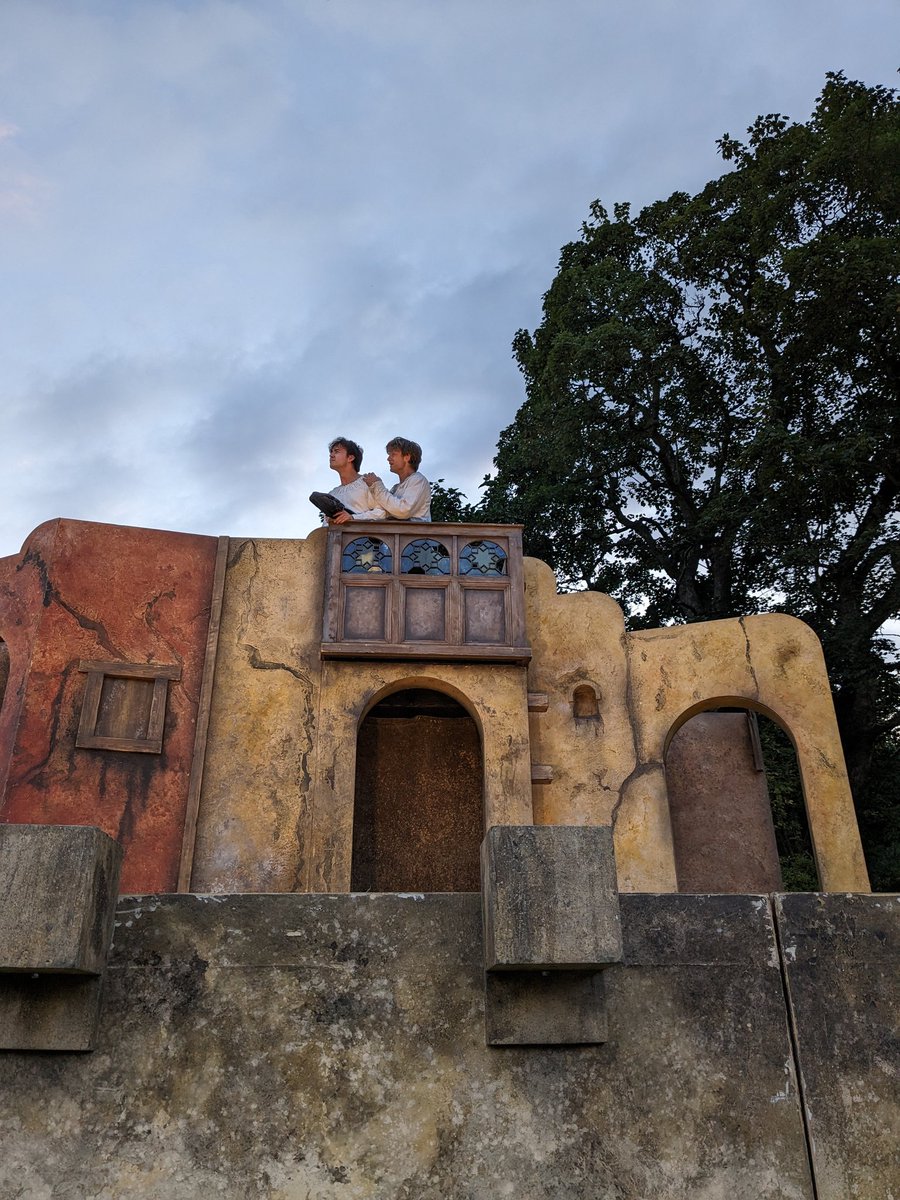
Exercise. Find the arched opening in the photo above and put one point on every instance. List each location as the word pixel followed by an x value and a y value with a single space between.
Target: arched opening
pixel 736 804
pixel 585 705
pixel 418 813
pixel 4 669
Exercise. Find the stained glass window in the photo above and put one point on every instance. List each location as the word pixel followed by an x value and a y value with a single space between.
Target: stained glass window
pixel 366 555
pixel 482 558
pixel 424 557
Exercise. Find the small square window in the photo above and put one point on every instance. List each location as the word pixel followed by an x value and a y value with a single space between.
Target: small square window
pixel 124 706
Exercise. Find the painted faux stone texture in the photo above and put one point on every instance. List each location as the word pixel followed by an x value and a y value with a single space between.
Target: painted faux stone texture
pixel 332 1048
pixel 113 594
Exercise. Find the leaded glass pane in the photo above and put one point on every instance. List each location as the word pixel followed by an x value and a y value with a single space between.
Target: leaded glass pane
pixel 366 555
pixel 425 557
pixel 482 558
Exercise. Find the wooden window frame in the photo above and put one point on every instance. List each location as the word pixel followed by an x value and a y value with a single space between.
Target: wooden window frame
pixel 160 673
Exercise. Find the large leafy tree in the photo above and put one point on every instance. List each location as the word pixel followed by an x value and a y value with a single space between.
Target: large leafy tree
pixel 712 422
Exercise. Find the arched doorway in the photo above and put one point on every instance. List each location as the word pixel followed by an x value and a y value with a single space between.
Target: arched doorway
pixel 736 804
pixel 418 813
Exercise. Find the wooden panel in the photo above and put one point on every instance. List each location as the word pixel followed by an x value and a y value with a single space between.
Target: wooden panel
pixel 124 706
pixel 425 614
pixel 132 670
pixel 423 836
pixel 124 710
pixel 400 624
pixel 365 614
pixel 419 651
pixel 485 615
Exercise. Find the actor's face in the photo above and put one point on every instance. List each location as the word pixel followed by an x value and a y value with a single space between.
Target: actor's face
pixel 338 457
pixel 396 459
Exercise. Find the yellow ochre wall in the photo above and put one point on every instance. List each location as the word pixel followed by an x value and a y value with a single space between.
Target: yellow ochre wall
pixel 276 805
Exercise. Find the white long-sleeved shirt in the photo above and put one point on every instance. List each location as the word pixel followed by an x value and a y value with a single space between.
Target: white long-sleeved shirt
pixel 357 497
pixel 408 500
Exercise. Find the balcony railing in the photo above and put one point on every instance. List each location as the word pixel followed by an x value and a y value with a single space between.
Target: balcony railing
pixel 414 590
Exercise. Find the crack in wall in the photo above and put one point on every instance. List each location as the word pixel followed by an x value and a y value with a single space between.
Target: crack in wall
pixel 50 595
pixel 264 664
pixel 793 1038
pixel 627 647
pixel 750 666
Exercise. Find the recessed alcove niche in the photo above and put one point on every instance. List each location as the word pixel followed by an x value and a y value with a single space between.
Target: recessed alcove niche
pixel 418 812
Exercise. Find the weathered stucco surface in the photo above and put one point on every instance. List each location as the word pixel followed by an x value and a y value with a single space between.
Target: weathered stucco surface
pixel 772 663
pixel 276 807
pixel 577 639
pixel 332 1048
pixel 263 720
pixel 110 593
pixel 612 769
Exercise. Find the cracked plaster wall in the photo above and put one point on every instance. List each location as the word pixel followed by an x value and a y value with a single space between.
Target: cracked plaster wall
pixel 611 770
pixel 252 831
pixel 276 804
pixel 276 810
pixel 80 590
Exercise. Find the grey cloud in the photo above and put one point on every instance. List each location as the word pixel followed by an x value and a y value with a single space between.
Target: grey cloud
pixel 235 229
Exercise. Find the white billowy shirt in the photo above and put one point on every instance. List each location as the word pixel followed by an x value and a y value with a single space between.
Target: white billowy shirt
pixel 357 497
pixel 408 500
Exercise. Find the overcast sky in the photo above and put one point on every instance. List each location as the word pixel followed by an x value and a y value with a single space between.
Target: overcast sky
pixel 232 230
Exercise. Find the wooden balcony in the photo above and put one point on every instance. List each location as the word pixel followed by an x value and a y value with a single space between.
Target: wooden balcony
pixel 416 590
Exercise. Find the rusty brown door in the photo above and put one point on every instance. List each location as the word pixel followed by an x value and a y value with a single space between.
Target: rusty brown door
pixel 418 810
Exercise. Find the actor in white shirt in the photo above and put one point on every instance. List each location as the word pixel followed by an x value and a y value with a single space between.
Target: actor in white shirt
pixel 410 499
pixel 345 457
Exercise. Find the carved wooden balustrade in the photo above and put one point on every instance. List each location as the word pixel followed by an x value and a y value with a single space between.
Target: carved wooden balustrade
pixel 412 590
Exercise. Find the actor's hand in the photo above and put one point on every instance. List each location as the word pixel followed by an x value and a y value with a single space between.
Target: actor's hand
pixel 341 519
pixel 370 477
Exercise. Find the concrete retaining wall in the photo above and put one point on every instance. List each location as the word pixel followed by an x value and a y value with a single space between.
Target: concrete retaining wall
pixel 323 1047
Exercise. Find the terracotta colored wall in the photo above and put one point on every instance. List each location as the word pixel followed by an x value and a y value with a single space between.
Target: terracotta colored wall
pixel 88 591
pixel 21 606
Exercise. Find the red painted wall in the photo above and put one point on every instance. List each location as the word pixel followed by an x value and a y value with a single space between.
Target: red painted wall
pixel 81 590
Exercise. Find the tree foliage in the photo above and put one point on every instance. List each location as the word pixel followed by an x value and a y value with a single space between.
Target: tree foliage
pixel 712 423
pixel 448 504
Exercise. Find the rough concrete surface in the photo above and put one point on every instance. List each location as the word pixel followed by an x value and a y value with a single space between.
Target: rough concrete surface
pixel 550 897
pixel 332 1047
pixel 841 956
pixel 544 1008
pixel 48 927
pixel 54 940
